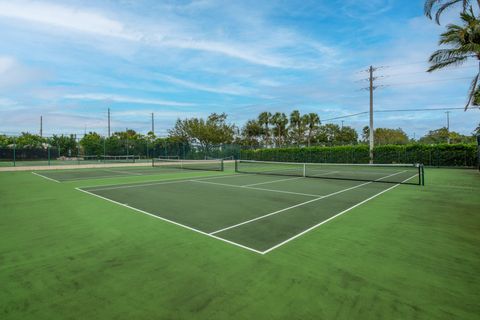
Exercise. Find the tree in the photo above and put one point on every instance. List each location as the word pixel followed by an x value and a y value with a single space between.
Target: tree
pixel 279 121
pixel 390 136
pixel 212 131
pixel 328 133
pixel 264 120
pixel 252 132
pixel 442 135
pixel 297 127
pixel 439 6
pixel 312 120
pixel 477 130
pixel 465 43
pixel 92 144
pixel 347 135
pixel 31 141
pixel 365 134
pixel 385 136
pixel 66 145
pixel 4 140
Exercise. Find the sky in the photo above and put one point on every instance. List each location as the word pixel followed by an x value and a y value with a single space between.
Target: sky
pixel 68 61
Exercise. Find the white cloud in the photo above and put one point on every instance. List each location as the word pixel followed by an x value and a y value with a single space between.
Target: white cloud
pixel 228 89
pixel 119 98
pixel 65 17
pixel 13 74
pixel 6 63
pixel 264 47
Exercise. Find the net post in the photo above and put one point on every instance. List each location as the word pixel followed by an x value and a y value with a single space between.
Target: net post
pixel 14 152
pixel 423 175
pixel 221 165
pixel 304 173
pixel 48 148
pixel 236 165
pixel 153 162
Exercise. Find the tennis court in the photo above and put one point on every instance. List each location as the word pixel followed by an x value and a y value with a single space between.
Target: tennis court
pixel 264 205
pixel 155 167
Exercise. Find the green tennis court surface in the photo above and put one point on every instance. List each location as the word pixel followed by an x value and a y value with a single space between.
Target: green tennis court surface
pixel 169 243
pixel 255 212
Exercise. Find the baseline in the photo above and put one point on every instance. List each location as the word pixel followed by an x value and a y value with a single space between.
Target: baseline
pixel 37 174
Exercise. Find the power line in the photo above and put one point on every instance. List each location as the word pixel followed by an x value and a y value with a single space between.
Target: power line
pixel 426 109
pixel 400 110
pixel 426 81
pixel 414 62
pixel 425 72
pixel 346 116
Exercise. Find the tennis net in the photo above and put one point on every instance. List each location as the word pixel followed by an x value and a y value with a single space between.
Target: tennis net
pixel 208 165
pixel 392 173
pixel 110 159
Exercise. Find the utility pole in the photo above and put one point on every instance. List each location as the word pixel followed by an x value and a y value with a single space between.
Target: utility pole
pixel 371 88
pixel 153 124
pixel 109 122
pixel 342 125
pixel 370 71
pixel 448 126
pixel 41 126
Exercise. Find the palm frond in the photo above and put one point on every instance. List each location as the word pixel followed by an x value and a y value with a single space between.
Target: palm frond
pixel 471 93
pixel 445 6
pixel 427 8
pixel 445 61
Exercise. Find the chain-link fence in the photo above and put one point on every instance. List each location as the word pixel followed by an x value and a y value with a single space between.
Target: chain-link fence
pixel 98 149
pixel 460 155
pixel 93 148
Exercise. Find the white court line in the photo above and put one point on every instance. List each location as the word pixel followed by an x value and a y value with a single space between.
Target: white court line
pixel 173 222
pixel 166 181
pixel 254 188
pixel 260 183
pixel 37 174
pixel 333 217
pixel 300 204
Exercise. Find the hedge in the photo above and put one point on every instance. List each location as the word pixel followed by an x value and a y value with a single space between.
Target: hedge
pixel 449 155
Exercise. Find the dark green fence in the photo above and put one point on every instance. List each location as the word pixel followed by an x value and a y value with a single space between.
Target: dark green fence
pixel 98 151
pixel 444 155
pixel 448 155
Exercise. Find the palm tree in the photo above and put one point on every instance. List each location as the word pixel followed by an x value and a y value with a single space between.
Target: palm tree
pixel 441 5
pixel 280 121
pixel 297 126
pixel 312 120
pixel 251 132
pixel 477 129
pixel 264 120
pixel 465 42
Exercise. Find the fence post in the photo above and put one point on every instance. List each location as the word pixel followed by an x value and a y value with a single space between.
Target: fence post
pixel 104 149
pixel 48 152
pixel 14 152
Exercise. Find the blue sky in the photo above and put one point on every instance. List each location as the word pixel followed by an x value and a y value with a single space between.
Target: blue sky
pixel 70 60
